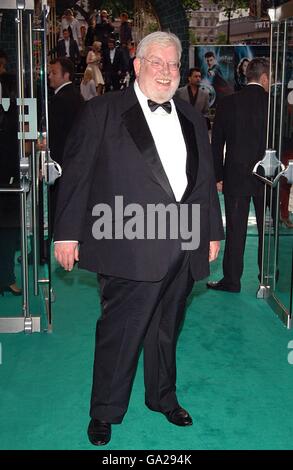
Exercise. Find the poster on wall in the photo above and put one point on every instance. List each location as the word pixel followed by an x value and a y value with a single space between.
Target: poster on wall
pixel 223 68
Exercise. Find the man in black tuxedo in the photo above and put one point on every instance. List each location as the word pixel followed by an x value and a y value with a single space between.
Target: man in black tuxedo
pixel 64 107
pixel 137 147
pixel 114 66
pixel 240 123
pixel 68 47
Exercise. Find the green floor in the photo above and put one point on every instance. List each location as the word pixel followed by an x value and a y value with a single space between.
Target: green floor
pixel 233 375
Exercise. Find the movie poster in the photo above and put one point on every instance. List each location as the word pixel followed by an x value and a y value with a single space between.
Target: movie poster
pixel 223 68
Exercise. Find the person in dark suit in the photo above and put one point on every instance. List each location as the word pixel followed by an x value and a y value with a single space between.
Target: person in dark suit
pixel 139 147
pixel 68 47
pixel 9 178
pixel 64 107
pixel 240 124
pixel 113 66
pixel 125 33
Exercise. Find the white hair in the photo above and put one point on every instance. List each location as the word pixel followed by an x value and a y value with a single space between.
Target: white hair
pixel 161 38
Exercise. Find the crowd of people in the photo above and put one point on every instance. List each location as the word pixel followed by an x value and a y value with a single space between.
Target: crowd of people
pixel 98 48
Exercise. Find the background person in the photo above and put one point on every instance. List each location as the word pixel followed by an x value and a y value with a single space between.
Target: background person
pixel 9 178
pixel 240 124
pixel 194 94
pixel 88 86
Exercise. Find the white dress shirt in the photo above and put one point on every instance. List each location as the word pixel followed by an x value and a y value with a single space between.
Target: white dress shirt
pixel 112 55
pixel 167 134
pixel 67 44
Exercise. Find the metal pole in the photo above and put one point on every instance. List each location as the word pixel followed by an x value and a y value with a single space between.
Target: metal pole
pixel 24 264
pixel 277 189
pixel 34 174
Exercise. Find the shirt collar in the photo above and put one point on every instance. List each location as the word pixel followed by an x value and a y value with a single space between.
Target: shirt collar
pixel 61 86
pixel 254 83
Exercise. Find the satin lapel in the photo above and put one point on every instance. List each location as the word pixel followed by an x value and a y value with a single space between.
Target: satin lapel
pixel 192 153
pixel 138 129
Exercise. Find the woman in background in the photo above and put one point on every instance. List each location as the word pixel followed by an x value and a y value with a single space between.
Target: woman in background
pixel 87 85
pixel 94 62
pixel 241 80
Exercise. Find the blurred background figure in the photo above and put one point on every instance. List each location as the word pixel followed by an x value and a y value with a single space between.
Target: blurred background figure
pixel 9 178
pixel 92 32
pixel 113 66
pixel 104 29
pixel 125 33
pixel 194 94
pixel 68 47
pixel 72 24
pixel 82 50
pixel 240 78
pixel 285 187
pixel 95 63
pixel 88 86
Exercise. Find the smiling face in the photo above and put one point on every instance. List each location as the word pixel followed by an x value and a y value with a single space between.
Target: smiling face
pixel 158 84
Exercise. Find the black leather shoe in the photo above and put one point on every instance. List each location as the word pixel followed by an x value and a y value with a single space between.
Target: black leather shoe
pixel 220 285
pixel 179 417
pixel 99 432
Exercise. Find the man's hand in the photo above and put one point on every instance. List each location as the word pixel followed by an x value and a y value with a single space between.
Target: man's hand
pixel 214 250
pixel 220 186
pixel 66 253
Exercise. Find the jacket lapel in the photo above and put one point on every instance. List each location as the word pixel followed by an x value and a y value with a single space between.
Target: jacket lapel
pixel 192 153
pixel 138 129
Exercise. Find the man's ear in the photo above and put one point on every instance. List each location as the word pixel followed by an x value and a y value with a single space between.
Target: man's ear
pixel 136 65
pixel 264 81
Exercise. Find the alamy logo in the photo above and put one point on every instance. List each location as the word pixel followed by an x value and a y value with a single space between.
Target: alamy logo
pixel 156 221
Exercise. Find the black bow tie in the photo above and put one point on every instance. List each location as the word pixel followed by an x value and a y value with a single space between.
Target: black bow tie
pixel 166 106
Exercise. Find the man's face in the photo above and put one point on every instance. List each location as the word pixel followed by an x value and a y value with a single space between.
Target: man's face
pixel 158 84
pixel 211 61
pixel 195 78
pixel 66 34
pixel 56 77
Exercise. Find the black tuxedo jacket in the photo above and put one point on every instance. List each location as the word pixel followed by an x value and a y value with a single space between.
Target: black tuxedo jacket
pixel 63 110
pixel 111 152
pixel 73 49
pixel 240 123
pixel 118 62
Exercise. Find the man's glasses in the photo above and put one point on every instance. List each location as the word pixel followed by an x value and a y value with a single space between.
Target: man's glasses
pixel 159 64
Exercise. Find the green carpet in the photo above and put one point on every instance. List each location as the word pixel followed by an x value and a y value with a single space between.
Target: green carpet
pixel 233 375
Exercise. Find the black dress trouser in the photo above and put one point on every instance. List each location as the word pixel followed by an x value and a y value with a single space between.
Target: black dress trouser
pixel 136 314
pixel 237 212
